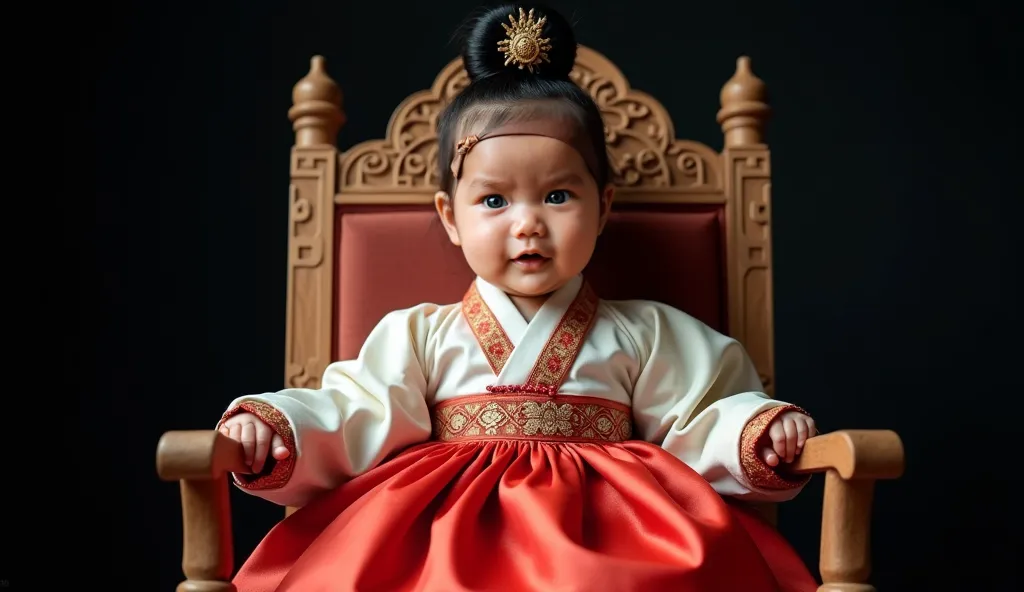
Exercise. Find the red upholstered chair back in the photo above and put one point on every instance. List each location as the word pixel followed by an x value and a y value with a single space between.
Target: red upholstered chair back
pixel 398 256
pixel 690 226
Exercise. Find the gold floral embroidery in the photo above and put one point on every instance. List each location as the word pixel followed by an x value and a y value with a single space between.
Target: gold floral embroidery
pixel 279 470
pixel 757 471
pixel 496 345
pixel 566 341
pixel 526 417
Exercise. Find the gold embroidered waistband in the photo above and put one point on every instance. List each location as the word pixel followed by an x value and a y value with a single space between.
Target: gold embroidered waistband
pixel 532 417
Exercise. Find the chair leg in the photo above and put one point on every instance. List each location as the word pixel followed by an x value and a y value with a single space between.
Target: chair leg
pixel 845 534
pixel 208 553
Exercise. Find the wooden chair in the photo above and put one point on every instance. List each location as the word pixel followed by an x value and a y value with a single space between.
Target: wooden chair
pixel 362 223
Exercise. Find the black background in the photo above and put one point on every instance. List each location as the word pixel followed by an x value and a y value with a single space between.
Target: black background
pixel 895 205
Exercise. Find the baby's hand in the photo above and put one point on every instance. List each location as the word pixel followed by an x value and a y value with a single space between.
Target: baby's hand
pixel 788 433
pixel 256 438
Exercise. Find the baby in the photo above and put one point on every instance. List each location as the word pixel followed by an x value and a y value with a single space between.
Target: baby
pixel 532 436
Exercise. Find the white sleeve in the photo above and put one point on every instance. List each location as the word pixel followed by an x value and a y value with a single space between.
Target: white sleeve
pixel 699 397
pixel 364 410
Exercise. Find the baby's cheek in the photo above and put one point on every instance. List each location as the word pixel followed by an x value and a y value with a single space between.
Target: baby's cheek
pixel 484 245
pixel 488 236
pixel 579 238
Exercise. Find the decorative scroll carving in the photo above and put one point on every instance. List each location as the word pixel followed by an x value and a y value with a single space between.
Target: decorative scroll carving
pixel 750 260
pixel 310 256
pixel 640 136
pixel 406 159
pixel 642 147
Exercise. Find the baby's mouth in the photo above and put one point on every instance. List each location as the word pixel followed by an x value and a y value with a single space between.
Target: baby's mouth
pixel 531 260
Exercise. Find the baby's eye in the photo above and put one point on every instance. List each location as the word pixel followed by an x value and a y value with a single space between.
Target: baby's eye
pixel 558 197
pixel 494 201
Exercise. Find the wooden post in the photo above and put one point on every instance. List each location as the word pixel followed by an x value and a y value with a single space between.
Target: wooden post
pixel 201 461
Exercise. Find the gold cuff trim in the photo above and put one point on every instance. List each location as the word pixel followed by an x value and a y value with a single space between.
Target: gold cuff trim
pixel 275 473
pixel 757 471
pixel 531 417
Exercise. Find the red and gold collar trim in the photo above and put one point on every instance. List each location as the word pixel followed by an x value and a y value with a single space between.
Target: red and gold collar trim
pixel 559 353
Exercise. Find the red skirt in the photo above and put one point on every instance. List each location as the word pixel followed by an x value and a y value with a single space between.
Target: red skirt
pixel 528 515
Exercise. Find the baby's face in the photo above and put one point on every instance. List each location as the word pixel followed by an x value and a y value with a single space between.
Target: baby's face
pixel 527 213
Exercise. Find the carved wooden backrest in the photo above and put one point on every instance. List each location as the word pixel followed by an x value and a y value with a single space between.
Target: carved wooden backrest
pixel 651 166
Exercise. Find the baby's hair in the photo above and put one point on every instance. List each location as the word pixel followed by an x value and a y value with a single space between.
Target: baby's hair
pixel 498 93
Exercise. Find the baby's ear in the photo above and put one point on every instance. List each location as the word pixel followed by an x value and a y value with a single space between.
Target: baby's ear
pixel 443 205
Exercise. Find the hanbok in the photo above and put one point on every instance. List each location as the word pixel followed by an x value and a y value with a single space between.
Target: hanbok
pixel 600 446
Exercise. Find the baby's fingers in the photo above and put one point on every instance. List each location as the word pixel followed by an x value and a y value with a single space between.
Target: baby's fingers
pixel 278 449
pixel 770 457
pixel 249 441
pixel 802 433
pixel 789 424
pixel 778 435
pixel 263 434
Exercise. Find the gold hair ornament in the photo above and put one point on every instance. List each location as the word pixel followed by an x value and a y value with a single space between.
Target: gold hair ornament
pixel 524 45
pixel 466 145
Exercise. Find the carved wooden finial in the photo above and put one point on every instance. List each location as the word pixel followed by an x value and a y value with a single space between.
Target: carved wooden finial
pixel 744 110
pixel 316 107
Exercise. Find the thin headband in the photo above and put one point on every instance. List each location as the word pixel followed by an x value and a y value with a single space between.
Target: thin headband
pixel 563 129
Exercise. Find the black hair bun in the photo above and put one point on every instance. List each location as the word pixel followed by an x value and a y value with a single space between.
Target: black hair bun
pixel 484 58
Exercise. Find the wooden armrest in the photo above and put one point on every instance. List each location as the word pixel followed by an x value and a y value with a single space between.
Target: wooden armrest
pixel 852 461
pixel 198 454
pixel 201 461
pixel 854 454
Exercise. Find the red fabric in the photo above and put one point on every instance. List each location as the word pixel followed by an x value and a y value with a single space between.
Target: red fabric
pixel 669 253
pixel 525 515
pixel 394 257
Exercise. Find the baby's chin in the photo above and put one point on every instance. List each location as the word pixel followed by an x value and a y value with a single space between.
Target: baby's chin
pixel 530 287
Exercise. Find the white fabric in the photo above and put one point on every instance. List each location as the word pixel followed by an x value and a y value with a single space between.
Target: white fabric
pixel 662 362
